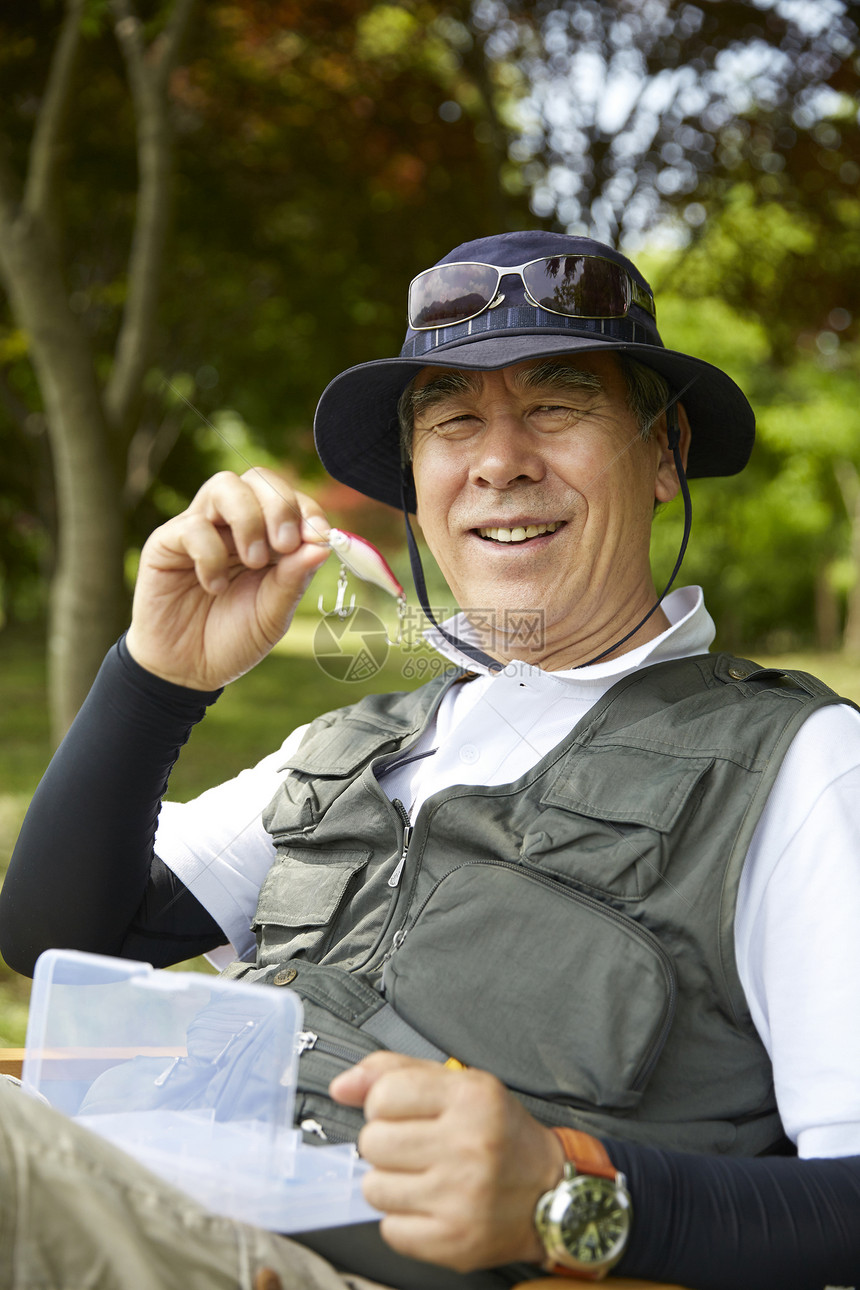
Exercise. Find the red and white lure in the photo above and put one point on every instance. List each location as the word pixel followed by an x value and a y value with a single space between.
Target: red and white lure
pixel 363 559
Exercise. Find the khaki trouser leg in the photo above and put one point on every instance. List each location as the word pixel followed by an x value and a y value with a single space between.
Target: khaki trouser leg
pixel 77 1214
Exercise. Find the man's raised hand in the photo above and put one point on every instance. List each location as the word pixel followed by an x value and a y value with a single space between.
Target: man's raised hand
pixel 218 584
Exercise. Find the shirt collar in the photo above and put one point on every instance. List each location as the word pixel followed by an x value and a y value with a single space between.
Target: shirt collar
pixel 691 630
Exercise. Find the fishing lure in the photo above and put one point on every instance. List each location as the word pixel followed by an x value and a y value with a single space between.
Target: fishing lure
pixel 363 559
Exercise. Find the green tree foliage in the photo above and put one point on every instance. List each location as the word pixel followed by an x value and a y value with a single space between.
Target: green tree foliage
pixel 343 147
pixel 325 153
pixel 307 143
pixel 781 247
pixel 640 105
pixel 771 265
pixel 776 547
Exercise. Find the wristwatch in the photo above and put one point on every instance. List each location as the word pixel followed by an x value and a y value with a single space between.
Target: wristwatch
pixel 584 1222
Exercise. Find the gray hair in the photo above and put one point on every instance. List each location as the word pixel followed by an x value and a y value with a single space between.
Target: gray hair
pixel 647 392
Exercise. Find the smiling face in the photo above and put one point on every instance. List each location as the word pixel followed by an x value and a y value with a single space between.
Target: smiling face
pixel 535 494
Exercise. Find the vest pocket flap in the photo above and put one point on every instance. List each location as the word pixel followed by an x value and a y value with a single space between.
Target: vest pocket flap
pixel 627 785
pixel 298 893
pixel 555 993
pixel 340 749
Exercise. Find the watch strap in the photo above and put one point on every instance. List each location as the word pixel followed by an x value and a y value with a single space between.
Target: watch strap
pixel 559 1270
pixel 588 1155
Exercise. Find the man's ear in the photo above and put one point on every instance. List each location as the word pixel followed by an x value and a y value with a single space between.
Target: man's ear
pixel 666 484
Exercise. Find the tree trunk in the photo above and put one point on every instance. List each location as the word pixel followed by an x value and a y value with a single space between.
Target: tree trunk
pixel 89 431
pixel 87 600
pixel 826 611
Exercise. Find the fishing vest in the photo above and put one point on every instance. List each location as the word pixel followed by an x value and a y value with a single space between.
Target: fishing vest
pixel 571 931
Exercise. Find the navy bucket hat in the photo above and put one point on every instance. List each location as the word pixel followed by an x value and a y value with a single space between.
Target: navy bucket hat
pixel 356 427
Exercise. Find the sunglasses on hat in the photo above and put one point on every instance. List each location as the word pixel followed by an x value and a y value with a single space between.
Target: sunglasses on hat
pixel 575 286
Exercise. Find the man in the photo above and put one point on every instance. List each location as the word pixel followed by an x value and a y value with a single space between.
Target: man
pixel 611 875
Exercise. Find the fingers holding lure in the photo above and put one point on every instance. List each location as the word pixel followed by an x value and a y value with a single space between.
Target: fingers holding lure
pixel 356 555
pixel 261 521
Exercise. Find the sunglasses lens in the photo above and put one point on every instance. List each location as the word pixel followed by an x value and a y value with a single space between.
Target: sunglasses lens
pixel 451 293
pixel 582 286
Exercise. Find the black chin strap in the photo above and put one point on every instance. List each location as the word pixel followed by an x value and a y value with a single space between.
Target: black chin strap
pixel 471 651
pixel 673 430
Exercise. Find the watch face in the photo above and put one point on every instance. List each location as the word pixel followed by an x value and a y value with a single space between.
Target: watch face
pixel 595 1223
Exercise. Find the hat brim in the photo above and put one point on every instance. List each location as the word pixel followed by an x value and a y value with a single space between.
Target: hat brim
pixel 357 433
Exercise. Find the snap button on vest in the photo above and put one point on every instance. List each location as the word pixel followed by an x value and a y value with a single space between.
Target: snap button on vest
pixel 267 1279
pixel 285 976
pixel 738 673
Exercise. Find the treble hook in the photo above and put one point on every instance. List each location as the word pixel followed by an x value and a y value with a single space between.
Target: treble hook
pixel 340 611
pixel 363 559
pixel 401 614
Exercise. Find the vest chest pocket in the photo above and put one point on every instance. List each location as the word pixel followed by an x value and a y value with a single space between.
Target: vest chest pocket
pixel 559 996
pixel 300 899
pixel 323 767
pixel 605 818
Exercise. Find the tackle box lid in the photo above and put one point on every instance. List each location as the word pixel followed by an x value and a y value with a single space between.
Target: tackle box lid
pixel 195 1076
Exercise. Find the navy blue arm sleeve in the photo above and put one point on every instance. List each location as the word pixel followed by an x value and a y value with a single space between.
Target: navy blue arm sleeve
pixel 726 1223
pixel 83 874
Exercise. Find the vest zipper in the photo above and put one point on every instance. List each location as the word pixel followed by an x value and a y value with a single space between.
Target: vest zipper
pixel 309 1039
pixel 331 1136
pixel 396 941
pixel 394 880
pixel 650 1061
pixel 393 883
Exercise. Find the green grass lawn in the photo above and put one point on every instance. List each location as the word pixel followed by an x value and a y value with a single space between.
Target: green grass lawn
pixel 249 721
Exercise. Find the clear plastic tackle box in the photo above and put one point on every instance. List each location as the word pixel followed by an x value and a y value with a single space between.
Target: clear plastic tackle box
pixel 193 1075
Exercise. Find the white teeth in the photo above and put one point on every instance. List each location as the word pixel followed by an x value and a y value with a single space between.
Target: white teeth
pixel 519 534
